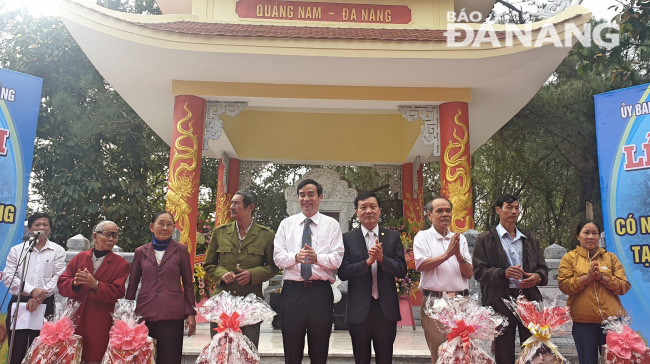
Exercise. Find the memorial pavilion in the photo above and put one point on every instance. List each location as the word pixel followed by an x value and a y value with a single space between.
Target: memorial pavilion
pixel 332 82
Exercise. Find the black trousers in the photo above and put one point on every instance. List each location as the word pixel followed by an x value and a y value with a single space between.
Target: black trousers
pixel 306 310
pixel 169 337
pixel 504 345
pixel 24 338
pixel 375 329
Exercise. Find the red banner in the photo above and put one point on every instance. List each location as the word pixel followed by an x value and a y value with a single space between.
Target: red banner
pixel 333 12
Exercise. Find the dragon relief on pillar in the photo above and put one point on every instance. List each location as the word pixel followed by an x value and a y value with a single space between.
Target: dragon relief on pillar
pixel 181 177
pixel 457 184
pixel 412 213
pixel 223 209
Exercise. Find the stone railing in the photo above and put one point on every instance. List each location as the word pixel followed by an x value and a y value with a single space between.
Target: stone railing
pixel 553 255
pixel 79 243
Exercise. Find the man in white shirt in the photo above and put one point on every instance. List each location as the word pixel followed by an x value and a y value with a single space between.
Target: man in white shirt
pixel 44 266
pixel 309 247
pixel 444 260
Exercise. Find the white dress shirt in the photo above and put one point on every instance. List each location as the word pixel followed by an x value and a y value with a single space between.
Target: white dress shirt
pixel 326 239
pixel 514 249
pixel 447 276
pixel 43 269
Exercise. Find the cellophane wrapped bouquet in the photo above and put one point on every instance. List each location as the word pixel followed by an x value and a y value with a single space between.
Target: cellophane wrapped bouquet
pixel 129 341
pixel 57 342
pixel 624 346
pixel 229 345
pixel 470 329
pixel 543 319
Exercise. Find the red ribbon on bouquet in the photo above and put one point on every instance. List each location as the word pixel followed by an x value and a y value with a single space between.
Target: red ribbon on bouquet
pixel 229 322
pixel 462 330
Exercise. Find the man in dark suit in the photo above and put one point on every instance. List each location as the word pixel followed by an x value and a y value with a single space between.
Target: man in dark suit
pixel 508 262
pixel 373 257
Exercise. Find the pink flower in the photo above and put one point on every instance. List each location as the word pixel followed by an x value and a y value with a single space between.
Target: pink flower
pixel 51 332
pixel 123 337
pixel 623 344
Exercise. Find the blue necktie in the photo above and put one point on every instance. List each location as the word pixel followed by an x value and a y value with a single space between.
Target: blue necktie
pixel 305 268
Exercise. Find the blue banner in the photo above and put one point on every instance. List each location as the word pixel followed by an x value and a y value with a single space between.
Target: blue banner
pixel 20 100
pixel 623 132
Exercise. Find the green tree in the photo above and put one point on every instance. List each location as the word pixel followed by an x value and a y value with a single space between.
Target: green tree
pixel 94 157
pixel 131 6
pixel 547 153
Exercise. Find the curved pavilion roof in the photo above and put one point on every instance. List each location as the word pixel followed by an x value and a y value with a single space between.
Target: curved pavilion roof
pixel 317 93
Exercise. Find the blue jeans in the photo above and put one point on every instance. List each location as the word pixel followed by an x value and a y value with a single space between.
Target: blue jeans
pixel 588 338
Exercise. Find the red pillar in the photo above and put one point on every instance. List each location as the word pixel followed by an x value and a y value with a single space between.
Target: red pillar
pixel 455 163
pixel 185 167
pixel 412 203
pixel 227 185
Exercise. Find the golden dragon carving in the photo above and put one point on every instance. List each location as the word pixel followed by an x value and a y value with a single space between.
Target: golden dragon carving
pixel 181 186
pixel 223 208
pixel 457 185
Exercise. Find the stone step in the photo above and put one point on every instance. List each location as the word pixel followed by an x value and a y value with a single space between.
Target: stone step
pixel 410 346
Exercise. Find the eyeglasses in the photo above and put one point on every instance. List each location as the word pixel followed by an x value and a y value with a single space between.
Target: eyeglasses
pixel 109 234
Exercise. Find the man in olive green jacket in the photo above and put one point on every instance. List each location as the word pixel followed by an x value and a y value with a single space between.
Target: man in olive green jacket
pixel 240 255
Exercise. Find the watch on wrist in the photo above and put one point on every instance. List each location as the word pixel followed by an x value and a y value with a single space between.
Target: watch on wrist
pixel 96 285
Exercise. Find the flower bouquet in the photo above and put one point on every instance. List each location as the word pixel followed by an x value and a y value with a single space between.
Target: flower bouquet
pixel 229 345
pixel 129 342
pixel 542 319
pixel 470 328
pixel 57 342
pixel 624 346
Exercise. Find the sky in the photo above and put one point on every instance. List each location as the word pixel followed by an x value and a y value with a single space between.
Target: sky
pixel 48 7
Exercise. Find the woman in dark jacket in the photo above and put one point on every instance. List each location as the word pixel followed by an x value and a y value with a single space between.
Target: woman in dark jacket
pixel 163 302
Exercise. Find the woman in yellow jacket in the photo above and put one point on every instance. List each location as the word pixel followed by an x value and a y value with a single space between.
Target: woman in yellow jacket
pixel 594 279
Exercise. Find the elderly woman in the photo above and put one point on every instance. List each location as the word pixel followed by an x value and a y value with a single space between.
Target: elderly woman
pixel 594 279
pixel 96 278
pixel 163 302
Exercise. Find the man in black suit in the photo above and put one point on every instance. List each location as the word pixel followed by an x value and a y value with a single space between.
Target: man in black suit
pixel 373 257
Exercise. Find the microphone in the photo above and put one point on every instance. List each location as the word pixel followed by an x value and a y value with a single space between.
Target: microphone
pixel 34 238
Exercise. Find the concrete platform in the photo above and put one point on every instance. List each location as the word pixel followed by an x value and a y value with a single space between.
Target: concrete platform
pixel 410 346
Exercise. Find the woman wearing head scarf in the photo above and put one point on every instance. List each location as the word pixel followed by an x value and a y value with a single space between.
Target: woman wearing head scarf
pixel 95 278
pixel 165 304
pixel 594 279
